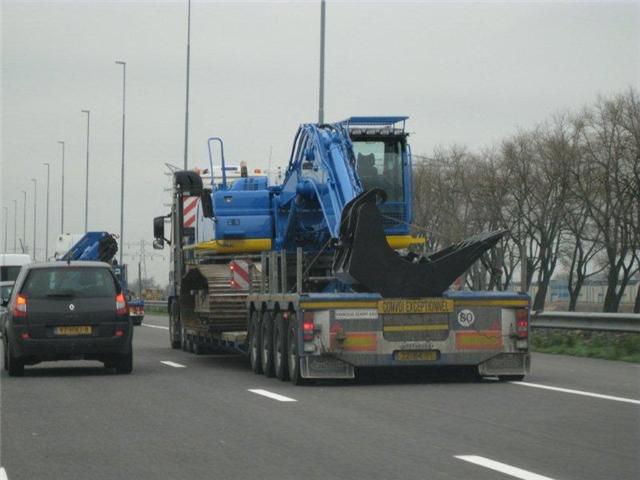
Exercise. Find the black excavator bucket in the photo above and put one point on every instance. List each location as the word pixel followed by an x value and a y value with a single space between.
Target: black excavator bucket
pixel 365 260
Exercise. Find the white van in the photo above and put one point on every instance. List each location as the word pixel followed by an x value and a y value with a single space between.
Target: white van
pixel 10 265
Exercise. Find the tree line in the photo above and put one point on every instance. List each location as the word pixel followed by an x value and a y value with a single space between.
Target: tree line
pixel 568 191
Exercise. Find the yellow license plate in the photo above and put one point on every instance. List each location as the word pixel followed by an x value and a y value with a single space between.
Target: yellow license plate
pixel 79 330
pixel 414 355
pixel 407 306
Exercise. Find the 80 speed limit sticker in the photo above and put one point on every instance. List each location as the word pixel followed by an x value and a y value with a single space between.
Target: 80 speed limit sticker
pixel 466 318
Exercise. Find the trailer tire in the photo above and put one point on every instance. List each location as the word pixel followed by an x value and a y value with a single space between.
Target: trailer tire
pixel 254 343
pixel 280 348
pixel 293 360
pixel 175 339
pixel 266 345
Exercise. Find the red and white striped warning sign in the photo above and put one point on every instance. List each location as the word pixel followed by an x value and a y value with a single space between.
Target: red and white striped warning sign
pixel 240 278
pixel 189 211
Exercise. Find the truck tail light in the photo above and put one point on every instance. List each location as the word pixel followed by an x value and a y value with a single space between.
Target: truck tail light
pixel 307 326
pixel 20 309
pixel 121 305
pixel 522 323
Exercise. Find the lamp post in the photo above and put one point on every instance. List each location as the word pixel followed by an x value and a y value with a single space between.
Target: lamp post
pixel 24 221
pixel 4 216
pixel 61 142
pixel 186 109
pixel 15 225
pixel 86 186
pixel 322 23
pixel 124 90
pixel 35 209
pixel 46 238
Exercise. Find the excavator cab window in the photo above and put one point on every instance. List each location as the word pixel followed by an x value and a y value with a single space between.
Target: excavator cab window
pixel 379 164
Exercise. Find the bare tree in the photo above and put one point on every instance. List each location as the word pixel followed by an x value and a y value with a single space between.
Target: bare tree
pixel 603 181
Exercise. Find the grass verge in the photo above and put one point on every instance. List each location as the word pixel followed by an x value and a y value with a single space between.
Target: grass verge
pixel 583 343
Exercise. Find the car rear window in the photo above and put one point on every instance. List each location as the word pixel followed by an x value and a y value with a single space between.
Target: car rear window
pixel 69 282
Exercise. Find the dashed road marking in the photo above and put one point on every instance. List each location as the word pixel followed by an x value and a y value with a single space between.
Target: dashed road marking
pixel 578 392
pixel 274 396
pixel 155 326
pixel 3 474
pixel 172 364
pixel 502 467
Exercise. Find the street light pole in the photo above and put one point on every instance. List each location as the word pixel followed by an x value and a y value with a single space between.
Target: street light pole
pixel 35 209
pixel 186 110
pixel 322 24
pixel 124 90
pixel 46 238
pixel 15 225
pixel 5 214
pixel 61 142
pixel 24 221
pixel 86 186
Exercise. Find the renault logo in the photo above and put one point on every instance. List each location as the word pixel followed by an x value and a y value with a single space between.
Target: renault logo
pixel 72 307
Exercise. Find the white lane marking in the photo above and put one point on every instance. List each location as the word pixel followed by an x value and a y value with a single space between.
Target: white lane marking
pixel 275 396
pixel 578 392
pixel 502 467
pixel 172 364
pixel 3 474
pixel 155 326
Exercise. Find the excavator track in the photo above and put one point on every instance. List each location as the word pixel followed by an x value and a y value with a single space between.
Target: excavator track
pixel 220 307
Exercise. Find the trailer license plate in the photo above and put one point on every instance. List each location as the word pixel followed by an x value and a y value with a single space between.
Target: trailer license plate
pixel 416 355
pixel 408 306
pixel 79 330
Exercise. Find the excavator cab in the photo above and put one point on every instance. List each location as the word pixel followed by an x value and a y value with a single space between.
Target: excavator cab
pixel 383 163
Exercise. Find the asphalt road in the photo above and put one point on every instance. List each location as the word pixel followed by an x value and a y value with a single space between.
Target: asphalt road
pixel 196 417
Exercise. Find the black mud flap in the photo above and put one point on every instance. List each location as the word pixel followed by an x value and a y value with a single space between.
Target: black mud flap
pixel 365 260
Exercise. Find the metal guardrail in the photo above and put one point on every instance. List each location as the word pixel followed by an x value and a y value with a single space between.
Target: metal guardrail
pixel 605 322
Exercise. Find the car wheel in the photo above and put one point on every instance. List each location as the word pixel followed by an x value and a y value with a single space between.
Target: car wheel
pixel 5 357
pixel 15 365
pixel 125 363
pixel 266 350
pixel 510 378
pixel 280 348
pixel 254 343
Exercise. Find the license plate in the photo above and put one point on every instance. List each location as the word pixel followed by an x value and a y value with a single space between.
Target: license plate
pixel 79 330
pixel 414 355
pixel 408 306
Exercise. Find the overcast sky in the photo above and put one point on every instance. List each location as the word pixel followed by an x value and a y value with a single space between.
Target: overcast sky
pixel 466 73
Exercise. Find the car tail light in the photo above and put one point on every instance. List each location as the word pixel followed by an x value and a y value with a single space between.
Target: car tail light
pixel 307 326
pixel 522 323
pixel 121 305
pixel 20 309
pixel 119 332
pixel 24 336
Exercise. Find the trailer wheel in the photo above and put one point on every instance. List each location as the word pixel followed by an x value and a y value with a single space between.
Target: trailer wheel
pixel 254 343
pixel 266 346
pixel 294 357
pixel 280 348
pixel 174 329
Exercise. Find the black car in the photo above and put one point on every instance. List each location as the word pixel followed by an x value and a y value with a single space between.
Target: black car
pixel 67 311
